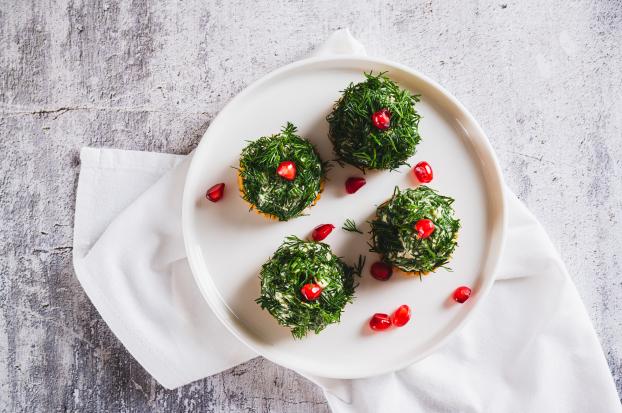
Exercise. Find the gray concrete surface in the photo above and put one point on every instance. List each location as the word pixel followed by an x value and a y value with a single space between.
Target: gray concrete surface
pixel 543 78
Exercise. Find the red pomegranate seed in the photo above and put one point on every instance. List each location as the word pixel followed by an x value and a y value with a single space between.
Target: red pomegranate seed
pixel 380 321
pixel 382 119
pixel 462 294
pixel 424 228
pixel 287 170
pixel 311 291
pixel 381 271
pixel 354 183
pixel 322 231
pixel 401 316
pixel 423 172
pixel 216 192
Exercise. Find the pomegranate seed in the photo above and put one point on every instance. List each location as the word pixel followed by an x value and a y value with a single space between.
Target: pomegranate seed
pixel 311 291
pixel 381 271
pixel 382 119
pixel 424 228
pixel 401 316
pixel 462 294
pixel 216 192
pixel 322 231
pixel 287 170
pixel 423 172
pixel 354 183
pixel 380 321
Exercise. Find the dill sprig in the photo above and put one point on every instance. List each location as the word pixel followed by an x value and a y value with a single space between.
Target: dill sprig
pixel 394 235
pixel 296 263
pixel 358 267
pixel 356 141
pixel 269 193
pixel 350 226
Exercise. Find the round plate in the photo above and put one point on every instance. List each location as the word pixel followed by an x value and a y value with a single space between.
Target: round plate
pixel 226 244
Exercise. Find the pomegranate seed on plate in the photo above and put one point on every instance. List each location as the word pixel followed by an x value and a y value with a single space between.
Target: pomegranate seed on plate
pixel 462 294
pixel 381 271
pixel 423 172
pixel 382 119
pixel 322 231
pixel 311 291
pixel 380 321
pixel 401 316
pixel 287 170
pixel 424 228
pixel 354 183
pixel 216 192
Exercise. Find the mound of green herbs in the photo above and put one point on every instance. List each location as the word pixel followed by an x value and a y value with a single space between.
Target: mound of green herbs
pixel 295 264
pixel 394 235
pixel 267 191
pixel 357 141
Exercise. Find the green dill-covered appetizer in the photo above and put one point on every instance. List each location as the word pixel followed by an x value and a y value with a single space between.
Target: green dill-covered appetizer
pixel 305 287
pixel 374 124
pixel 281 175
pixel 416 230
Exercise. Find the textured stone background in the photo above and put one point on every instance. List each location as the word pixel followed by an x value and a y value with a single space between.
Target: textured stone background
pixel 543 78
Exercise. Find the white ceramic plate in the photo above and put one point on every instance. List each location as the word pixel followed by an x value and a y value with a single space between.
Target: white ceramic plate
pixel 227 244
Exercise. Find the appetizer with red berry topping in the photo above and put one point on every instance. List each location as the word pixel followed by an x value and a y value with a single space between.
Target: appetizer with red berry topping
pixel 374 125
pixel 305 287
pixel 416 230
pixel 281 175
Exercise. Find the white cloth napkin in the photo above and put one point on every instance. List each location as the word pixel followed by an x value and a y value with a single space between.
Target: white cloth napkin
pixel 530 346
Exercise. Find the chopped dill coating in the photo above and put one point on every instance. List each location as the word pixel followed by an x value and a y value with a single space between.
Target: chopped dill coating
pixel 296 263
pixel 355 138
pixel 269 193
pixel 395 238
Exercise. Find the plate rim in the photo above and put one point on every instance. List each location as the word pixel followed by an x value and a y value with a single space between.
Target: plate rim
pixel 495 181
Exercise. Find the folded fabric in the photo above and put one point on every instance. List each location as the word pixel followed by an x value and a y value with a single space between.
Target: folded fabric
pixel 529 347
pixel 130 260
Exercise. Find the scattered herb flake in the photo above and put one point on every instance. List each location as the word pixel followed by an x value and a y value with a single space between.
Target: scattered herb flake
pixel 350 226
